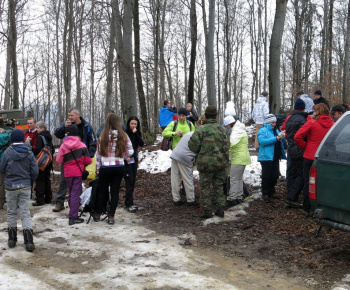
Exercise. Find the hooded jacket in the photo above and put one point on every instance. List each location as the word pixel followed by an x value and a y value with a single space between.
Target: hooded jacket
pixel 165 116
pixel 315 130
pixel 261 109
pixel 182 153
pixel 309 103
pixel 19 166
pixel 267 141
pixel 70 148
pixel 239 152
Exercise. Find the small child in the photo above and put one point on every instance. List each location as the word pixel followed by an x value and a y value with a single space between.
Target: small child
pixel 19 166
pixel 74 154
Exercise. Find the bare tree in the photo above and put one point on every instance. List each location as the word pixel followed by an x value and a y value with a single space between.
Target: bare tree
pixel 275 56
pixel 193 24
pixel 346 97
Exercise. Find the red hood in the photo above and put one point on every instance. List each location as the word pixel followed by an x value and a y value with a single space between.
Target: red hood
pixel 325 121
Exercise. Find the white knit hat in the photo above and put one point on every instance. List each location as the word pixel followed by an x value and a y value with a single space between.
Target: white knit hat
pixel 270 118
pixel 230 109
pixel 229 120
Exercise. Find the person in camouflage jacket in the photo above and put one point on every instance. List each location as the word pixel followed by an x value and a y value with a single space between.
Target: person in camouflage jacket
pixel 212 145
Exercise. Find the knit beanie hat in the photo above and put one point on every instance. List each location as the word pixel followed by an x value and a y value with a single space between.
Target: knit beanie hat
pixel 318 92
pixel 299 105
pixel 72 130
pixel 230 109
pixel 17 136
pixel 229 120
pixel 211 112
pixel 270 118
pixel 182 111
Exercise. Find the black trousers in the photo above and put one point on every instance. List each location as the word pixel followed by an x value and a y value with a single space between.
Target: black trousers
pixel 43 186
pixel 306 166
pixel 295 181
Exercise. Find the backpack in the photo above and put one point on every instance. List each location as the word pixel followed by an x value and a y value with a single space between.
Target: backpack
pixel 4 142
pixel 44 158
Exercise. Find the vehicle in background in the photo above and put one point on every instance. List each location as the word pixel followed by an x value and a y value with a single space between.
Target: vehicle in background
pixel 16 117
pixel 329 183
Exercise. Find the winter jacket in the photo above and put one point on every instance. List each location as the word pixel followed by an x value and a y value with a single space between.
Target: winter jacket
pixel 239 152
pixel 309 103
pixel 212 145
pixel 112 160
pixel 32 135
pixel 315 130
pixel 194 117
pixel 267 141
pixel 181 126
pixel 40 142
pixel 165 116
pixel 286 120
pixel 321 100
pixel 88 135
pixel 261 109
pixel 70 148
pixel 136 141
pixel 182 153
pixel 19 166
pixel 294 123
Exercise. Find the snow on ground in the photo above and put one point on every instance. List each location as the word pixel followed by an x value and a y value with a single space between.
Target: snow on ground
pixel 99 256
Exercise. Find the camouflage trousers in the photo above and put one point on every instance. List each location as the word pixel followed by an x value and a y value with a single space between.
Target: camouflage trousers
pixel 217 179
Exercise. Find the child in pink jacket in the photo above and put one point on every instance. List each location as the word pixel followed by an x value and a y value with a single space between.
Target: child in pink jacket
pixel 74 154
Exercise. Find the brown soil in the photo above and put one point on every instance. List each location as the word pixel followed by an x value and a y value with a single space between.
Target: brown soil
pixel 269 234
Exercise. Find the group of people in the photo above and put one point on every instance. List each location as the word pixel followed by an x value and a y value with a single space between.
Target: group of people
pixel 301 133
pixel 116 158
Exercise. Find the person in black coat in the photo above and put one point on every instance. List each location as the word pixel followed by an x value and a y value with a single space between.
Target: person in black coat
pixel 43 182
pixel 133 129
pixel 319 99
pixel 192 115
pixel 295 180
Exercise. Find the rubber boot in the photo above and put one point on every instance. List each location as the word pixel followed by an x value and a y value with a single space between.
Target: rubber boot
pixel 12 237
pixel 28 240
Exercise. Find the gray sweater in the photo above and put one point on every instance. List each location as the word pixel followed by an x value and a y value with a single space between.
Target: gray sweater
pixel 182 153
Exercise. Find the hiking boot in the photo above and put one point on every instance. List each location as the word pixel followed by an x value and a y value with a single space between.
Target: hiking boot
pixel 220 212
pixel 37 204
pixel 111 220
pixel 193 203
pixel 178 203
pixel 96 217
pixel 12 237
pixel 58 207
pixel 293 204
pixel 73 221
pixel 28 240
pixel 132 209
pixel 207 214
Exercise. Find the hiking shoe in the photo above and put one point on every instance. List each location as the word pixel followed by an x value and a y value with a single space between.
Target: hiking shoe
pixel 111 220
pixel 96 217
pixel 73 221
pixel 37 204
pixel 293 204
pixel 220 212
pixel 207 214
pixel 132 209
pixel 58 208
pixel 178 203
pixel 193 203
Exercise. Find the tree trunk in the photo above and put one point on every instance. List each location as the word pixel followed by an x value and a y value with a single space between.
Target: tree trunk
pixel 193 24
pixel 141 93
pixel 275 56
pixel 13 51
pixel 57 65
pixel 110 58
pixel 346 97
pixel 209 51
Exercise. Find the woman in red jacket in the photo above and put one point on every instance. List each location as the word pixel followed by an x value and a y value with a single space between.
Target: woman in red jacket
pixel 313 132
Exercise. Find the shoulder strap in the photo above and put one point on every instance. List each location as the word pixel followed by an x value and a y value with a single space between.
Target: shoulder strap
pixel 44 140
pixel 175 125
pixel 189 123
pixel 71 151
